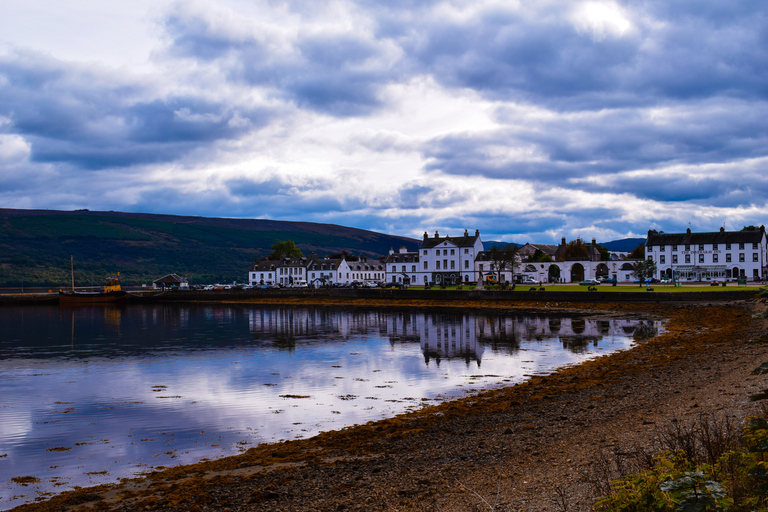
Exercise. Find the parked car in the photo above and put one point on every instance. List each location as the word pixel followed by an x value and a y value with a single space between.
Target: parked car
pixel 611 280
pixel 589 282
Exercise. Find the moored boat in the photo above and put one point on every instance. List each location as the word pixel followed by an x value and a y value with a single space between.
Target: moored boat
pixel 112 292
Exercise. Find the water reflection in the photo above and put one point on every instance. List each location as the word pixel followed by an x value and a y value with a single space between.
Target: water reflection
pixel 92 394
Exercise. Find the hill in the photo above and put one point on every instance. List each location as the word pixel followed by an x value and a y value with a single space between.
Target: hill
pixel 36 245
pixel 623 245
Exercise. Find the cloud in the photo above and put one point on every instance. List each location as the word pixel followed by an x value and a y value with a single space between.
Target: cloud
pixel 528 120
pixel 95 120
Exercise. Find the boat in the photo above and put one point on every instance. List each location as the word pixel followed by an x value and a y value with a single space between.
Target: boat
pixel 111 292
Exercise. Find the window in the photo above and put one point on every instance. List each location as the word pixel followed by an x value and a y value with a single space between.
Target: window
pixel 445 264
pixel 701 258
pixel 728 258
pixel 662 248
pixel 741 256
pixel 754 257
pixel 687 258
pixel 662 259
pixel 466 263
pixel 674 259
pixel 466 251
pixel 754 245
pixel 426 265
pixel 714 247
pixel 452 252
pixel 425 252
pixel 714 258
pixel 741 246
pixel 480 267
pixel 437 265
pixel 674 247
pixel 413 268
pixel 727 247
pixel 701 247
pixel 453 264
pixel 687 247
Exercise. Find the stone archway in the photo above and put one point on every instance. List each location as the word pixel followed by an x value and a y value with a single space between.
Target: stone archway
pixel 602 271
pixel 577 272
pixel 554 273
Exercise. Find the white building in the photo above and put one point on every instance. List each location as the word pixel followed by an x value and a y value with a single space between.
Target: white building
pixel 328 271
pixel 448 259
pixel 403 267
pixel 289 271
pixel 708 256
pixel 367 270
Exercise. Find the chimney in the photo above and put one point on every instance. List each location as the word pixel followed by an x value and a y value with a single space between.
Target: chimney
pixel 466 233
pixel 563 241
pixel 403 250
pixel 437 235
pixel 477 232
pixel 594 242
pixel 391 251
pixel 722 229
pixel 426 235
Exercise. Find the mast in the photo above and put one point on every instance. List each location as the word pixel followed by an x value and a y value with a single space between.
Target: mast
pixel 72 265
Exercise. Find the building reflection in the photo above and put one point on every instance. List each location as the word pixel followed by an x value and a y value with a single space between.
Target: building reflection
pixel 441 335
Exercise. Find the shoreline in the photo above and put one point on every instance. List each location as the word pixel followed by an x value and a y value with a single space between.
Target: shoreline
pixel 441 455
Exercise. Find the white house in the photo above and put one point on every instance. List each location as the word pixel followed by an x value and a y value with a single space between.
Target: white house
pixel 707 256
pixel 448 259
pixel 403 267
pixel 367 270
pixel 328 271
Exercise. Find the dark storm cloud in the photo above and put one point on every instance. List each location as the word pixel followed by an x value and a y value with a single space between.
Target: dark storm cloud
pixel 91 120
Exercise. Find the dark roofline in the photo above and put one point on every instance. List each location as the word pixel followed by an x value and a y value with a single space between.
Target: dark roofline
pixel 717 237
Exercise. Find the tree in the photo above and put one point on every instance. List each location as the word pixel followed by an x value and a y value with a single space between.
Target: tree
pixel 605 254
pixel 750 228
pixel 638 253
pixel 644 269
pixel 285 249
pixel 575 250
pixel 540 256
pixel 502 259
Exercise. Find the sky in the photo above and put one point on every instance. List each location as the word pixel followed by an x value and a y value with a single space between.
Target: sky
pixel 528 120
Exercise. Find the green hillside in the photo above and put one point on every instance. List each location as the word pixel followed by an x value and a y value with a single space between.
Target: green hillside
pixel 36 245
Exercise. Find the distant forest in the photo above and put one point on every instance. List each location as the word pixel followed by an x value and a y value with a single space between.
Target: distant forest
pixel 36 245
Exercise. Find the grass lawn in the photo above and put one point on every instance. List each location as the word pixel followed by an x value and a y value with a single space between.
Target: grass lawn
pixel 621 288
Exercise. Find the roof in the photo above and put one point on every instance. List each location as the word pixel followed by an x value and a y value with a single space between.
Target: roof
pixel 459 241
pixel 407 257
pixel 717 237
pixel 169 279
pixel 548 249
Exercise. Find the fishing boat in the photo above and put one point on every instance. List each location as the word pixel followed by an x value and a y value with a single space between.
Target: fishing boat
pixel 111 292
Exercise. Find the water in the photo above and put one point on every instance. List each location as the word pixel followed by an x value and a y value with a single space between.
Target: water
pixel 92 394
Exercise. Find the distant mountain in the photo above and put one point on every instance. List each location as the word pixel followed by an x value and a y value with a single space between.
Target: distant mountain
pixel 36 245
pixel 623 245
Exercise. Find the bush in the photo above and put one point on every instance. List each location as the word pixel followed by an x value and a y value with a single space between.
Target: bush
pixel 704 472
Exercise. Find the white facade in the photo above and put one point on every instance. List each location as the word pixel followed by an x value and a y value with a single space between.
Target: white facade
pixel 721 255
pixel 290 271
pixel 403 267
pixel 448 259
